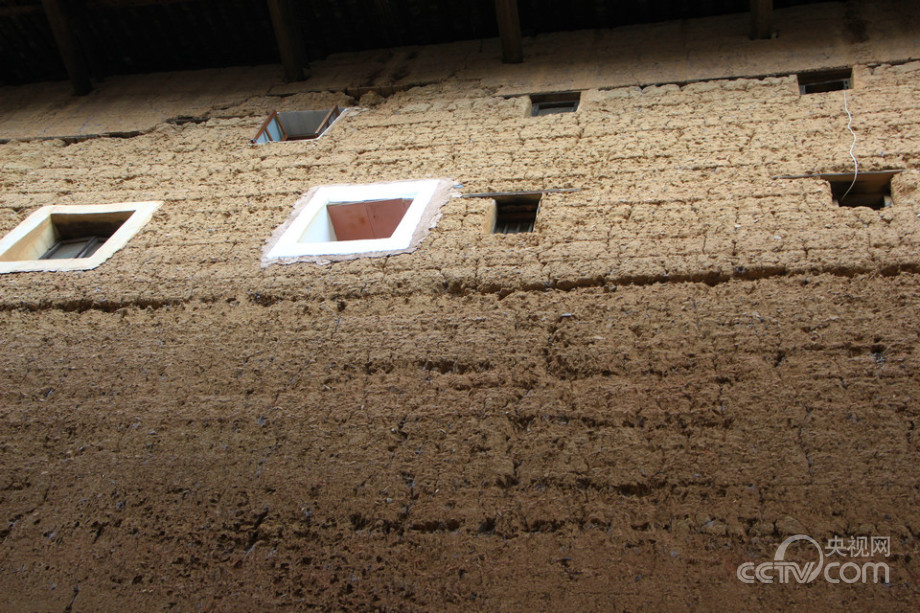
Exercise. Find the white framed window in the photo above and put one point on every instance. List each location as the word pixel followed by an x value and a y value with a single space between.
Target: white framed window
pixel 346 221
pixel 72 237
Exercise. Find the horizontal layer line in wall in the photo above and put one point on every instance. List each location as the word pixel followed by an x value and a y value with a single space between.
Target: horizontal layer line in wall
pixel 563 190
pixel 757 76
pixel 459 287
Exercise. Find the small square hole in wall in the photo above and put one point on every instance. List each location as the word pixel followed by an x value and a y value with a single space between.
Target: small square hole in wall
pixel 553 104
pixel 871 189
pixel 295 125
pixel 78 237
pixel 825 81
pixel 515 214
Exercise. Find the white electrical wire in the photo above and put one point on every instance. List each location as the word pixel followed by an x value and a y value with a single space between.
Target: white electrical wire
pixel 853 146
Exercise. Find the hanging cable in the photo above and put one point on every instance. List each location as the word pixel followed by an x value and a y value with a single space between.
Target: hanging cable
pixel 853 146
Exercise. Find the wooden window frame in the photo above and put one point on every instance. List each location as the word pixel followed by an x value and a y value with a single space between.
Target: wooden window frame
pixel 324 125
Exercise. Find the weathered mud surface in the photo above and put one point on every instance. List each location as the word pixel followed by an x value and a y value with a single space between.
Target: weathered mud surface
pixel 549 450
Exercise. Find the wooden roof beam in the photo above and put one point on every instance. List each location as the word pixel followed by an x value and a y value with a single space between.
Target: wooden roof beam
pixel 761 19
pixel 289 37
pixel 509 28
pixel 65 35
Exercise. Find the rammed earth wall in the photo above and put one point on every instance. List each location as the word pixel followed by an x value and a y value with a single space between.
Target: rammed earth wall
pixel 687 361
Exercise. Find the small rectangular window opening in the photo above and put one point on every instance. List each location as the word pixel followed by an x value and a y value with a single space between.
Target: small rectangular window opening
pixel 80 236
pixel 871 189
pixel 516 214
pixel 825 81
pixel 295 125
pixel 553 104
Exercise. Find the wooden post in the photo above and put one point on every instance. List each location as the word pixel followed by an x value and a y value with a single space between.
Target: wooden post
pixel 509 28
pixel 289 38
pixel 68 45
pixel 761 19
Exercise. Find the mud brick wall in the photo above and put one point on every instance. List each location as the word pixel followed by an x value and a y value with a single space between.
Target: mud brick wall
pixel 687 360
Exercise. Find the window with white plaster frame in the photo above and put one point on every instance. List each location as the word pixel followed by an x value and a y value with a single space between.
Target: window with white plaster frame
pixel 26 247
pixel 309 234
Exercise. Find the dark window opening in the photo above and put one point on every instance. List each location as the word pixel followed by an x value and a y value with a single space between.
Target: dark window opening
pixel 295 125
pixel 825 81
pixel 80 236
pixel 368 220
pixel 553 104
pixel 871 189
pixel 516 214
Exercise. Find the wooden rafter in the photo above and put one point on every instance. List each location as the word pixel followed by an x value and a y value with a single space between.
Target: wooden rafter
pixel 289 38
pixel 68 43
pixel 761 19
pixel 509 28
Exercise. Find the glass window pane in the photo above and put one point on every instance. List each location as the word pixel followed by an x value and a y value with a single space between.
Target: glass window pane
pixel 274 130
pixel 67 249
pixel 93 246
